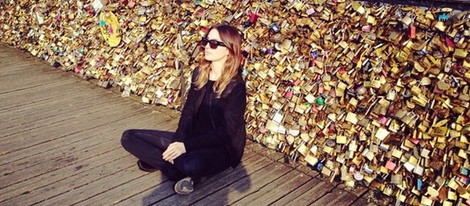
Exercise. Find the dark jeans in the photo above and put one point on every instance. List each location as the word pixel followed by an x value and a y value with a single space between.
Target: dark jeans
pixel 149 145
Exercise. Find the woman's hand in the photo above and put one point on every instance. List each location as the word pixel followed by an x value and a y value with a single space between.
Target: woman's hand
pixel 173 151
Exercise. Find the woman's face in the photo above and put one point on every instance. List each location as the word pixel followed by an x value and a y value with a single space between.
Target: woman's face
pixel 217 54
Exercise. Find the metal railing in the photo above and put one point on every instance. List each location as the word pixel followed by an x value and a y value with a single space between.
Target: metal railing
pixel 463 5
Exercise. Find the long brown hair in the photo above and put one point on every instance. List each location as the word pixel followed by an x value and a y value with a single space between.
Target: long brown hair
pixel 232 39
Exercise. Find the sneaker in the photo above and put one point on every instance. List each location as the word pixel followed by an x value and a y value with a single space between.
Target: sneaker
pixel 184 186
pixel 146 167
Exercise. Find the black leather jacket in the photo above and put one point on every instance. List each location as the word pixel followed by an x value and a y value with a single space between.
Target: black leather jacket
pixel 229 133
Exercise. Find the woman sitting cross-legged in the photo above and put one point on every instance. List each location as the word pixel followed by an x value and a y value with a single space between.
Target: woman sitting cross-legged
pixel 211 133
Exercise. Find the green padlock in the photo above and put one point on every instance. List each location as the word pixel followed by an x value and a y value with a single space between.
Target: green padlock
pixel 320 101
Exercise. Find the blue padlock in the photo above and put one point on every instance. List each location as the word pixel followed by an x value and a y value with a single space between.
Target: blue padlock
pixel 419 184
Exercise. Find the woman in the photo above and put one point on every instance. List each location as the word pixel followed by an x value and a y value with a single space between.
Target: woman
pixel 211 133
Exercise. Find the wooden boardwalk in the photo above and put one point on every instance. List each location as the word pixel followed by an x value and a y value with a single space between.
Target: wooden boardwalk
pixel 60 145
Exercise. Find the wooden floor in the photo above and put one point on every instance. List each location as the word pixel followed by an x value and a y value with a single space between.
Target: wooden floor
pixel 60 145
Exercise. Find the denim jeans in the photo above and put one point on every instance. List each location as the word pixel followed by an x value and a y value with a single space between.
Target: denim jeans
pixel 149 145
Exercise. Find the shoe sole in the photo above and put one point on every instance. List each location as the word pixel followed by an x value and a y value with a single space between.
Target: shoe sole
pixel 177 185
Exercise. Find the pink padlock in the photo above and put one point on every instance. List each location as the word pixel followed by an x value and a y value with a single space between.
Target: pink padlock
pixel 131 4
pixel 296 82
pixel 390 165
pixel 289 94
pixel 314 109
pixel 253 17
pixel 332 93
pixel 321 89
pixel 383 120
pixel 78 68
pixel 366 28
pixel 110 29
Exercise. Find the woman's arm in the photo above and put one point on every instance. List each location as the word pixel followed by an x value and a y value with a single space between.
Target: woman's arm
pixel 187 115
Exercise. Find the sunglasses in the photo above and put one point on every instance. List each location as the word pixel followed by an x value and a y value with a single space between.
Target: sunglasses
pixel 213 44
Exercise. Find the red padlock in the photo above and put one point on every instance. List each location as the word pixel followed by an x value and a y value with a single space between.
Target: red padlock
pixel 341 70
pixel 412 31
pixel 90 10
pixel 449 42
pixel 204 30
pixel 331 128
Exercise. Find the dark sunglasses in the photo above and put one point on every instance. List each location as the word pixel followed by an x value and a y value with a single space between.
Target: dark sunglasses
pixel 213 44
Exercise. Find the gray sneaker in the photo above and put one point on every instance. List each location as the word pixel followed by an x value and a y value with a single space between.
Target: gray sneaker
pixel 184 186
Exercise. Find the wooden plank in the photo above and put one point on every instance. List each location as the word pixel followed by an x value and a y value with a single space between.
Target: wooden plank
pixel 82 163
pixel 30 78
pixel 86 120
pixel 77 142
pixel 125 191
pixel 67 188
pixel 69 176
pixel 53 164
pixel 33 80
pixel 55 175
pixel 7 54
pixel 246 186
pixel 12 58
pixel 47 133
pixel 59 145
pixel 219 181
pixel 132 190
pixel 296 194
pixel 23 101
pixel 70 109
pixel 49 114
pixel 18 66
pixel 316 190
pixel 28 72
pixel 40 135
pixel 33 169
pixel 150 196
pixel 54 98
pixel 272 191
pixel 336 197
pixel 23 87
pixel 98 186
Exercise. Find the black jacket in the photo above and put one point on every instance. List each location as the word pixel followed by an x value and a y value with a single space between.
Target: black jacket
pixel 229 133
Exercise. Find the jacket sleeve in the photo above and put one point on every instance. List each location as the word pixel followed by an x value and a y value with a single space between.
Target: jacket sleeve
pixel 187 115
pixel 234 111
